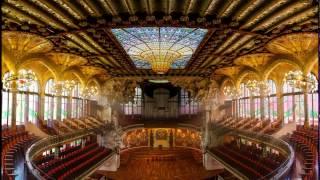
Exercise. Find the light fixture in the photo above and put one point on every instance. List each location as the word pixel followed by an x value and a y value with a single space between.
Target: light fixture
pixel 23 79
pixel 66 86
pixel 88 92
pixel 253 86
pixel 230 91
pixel 258 87
pixel 160 48
pixel 297 79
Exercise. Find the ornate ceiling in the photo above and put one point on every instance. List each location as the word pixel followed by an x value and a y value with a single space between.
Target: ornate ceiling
pixel 235 28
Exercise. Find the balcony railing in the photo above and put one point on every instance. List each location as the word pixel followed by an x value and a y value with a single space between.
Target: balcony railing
pixel 53 141
pixel 282 146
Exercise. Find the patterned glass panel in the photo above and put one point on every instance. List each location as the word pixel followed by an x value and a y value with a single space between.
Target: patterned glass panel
pixel 135 41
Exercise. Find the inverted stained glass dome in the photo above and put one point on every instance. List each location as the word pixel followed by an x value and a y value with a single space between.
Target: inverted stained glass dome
pixel 160 48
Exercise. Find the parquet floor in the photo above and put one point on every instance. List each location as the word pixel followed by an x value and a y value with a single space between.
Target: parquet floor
pixel 155 164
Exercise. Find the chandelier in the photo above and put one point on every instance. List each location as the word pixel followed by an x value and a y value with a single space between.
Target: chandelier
pixel 89 91
pixel 66 86
pixel 253 86
pixel 160 48
pixel 23 79
pixel 230 91
pixel 257 87
pixel 297 79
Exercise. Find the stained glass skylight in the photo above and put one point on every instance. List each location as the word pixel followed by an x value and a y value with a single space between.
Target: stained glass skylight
pixel 156 47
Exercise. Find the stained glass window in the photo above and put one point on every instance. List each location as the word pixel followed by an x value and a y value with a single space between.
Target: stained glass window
pixel 64 105
pixel 136 41
pixel 76 102
pixel 33 104
pixel 50 102
pixel 313 104
pixel 257 112
pixel 293 104
pixel 244 101
pixel 6 104
pixel 271 103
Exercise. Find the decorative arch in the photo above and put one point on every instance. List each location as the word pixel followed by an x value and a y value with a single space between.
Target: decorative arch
pixel 243 74
pixel 225 81
pixel 48 64
pixel 276 63
pixel 95 81
pixel 77 73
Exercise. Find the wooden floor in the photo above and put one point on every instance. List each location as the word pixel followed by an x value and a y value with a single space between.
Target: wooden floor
pixel 148 164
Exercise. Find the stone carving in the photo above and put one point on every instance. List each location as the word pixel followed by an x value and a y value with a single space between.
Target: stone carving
pixel 200 88
pixel 119 90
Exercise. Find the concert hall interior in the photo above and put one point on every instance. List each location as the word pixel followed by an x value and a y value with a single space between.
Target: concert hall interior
pixel 159 89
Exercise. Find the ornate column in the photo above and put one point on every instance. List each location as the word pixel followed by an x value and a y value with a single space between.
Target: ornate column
pixel 280 110
pixel 262 99
pixel 26 108
pixel 14 91
pixel 41 107
pixel 58 96
pixel 306 114
pixel 69 106
pixel 236 100
pixel 252 106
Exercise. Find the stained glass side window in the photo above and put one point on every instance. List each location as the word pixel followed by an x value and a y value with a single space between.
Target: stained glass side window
pixel 271 105
pixel 33 104
pixel 293 104
pixel 313 104
pixel 257 112
pixel 21 108
pixel 50 102
pixel 76 104
pixel 64 105
pixel 244 101
pixel 6 110
pixel 288 103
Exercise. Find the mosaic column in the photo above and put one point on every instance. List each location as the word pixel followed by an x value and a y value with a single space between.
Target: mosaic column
pixel 58 96
pixel 262 99
pixel 306 114
pixel 252 114
pixel 14 104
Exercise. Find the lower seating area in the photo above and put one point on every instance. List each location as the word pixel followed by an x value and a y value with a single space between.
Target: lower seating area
pixel 71 162
pixel 248 159
pixel 305 142
pixel 160 163
pixel 13 141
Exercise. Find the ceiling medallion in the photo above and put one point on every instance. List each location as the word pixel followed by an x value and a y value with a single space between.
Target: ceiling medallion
pixel 161 48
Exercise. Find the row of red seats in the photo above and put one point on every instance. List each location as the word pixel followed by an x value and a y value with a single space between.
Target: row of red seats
pixel 58 170
pixel 248 170
pixel 55 162
pixel 76 171
pixel 303 141
pixel 263 169
pixel 14 141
